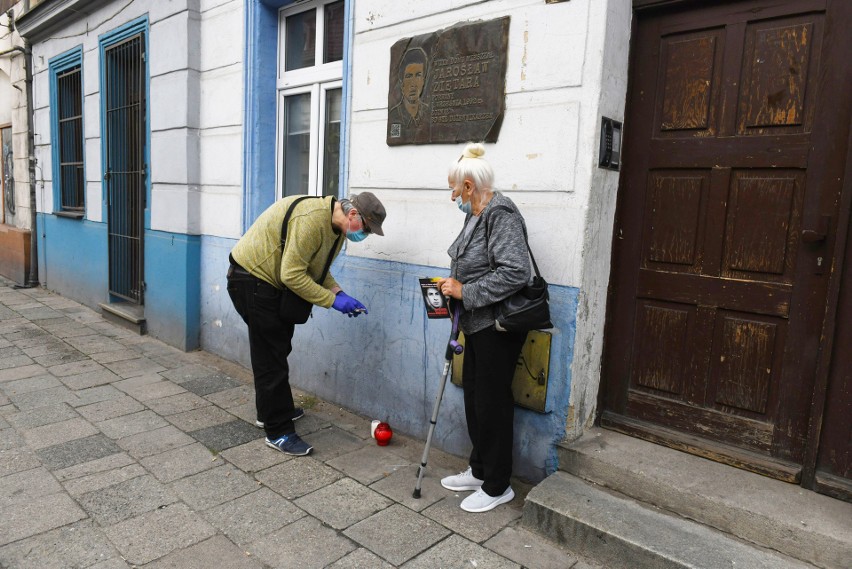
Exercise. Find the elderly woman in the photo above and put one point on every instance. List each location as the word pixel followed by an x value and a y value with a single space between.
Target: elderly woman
pixel 489 262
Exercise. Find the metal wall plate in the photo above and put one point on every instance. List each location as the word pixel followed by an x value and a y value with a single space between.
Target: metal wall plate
pixel 529 386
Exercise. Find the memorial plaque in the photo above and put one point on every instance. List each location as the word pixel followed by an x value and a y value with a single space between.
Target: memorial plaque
pixel 449 86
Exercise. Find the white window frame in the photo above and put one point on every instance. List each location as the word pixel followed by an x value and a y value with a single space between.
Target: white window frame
pixel 316 80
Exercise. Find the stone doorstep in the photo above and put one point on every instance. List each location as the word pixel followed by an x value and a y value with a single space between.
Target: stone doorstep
pixel 621 533
pixel 772 514
pixel 126 315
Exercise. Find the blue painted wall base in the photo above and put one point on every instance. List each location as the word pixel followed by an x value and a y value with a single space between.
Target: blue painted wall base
pixel 73 259
pixel 172 305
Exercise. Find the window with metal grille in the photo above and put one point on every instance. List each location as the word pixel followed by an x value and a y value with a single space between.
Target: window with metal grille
pixel 310 72
pixel 69 181
pixel 70 140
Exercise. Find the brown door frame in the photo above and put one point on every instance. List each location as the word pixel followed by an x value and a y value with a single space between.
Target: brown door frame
pixel 838 249
pixel 844 220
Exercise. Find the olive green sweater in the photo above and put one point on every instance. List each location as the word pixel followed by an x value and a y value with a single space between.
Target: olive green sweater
pixel 310 237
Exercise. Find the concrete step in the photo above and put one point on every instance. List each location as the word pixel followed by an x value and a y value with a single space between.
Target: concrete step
pixel 621 533
pixel 125 314
pixel 772 514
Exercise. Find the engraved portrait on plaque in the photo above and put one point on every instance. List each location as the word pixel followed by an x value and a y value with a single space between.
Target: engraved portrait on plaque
pixel 412 112
pixel 448 86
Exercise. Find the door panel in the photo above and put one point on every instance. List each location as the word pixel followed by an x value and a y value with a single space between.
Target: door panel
pixel 764 212
pixel 676 210
pixel 744 362
pixel 690 82
pixel 777 59
pixel 717 302
pixel 659 330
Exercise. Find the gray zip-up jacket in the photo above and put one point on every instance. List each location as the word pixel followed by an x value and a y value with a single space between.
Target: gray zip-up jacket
pixel 491 266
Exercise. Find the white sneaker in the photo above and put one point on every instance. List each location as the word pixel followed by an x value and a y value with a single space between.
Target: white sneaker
pixel 479 501
pixel 462 481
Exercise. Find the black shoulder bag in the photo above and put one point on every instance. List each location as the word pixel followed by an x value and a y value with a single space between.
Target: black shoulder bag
pixel 292 308
pixel 527 309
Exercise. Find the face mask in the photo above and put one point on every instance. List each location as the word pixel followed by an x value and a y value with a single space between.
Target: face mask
pixel 356 235
pixel 465 208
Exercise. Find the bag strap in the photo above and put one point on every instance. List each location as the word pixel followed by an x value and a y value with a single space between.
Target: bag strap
pixel 284 234
pixel 523 226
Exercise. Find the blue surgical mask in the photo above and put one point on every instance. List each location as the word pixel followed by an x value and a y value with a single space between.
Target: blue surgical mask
pixel 465 207
pixel 356 235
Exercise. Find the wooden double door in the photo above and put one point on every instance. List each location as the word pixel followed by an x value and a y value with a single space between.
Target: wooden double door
pixel 730 220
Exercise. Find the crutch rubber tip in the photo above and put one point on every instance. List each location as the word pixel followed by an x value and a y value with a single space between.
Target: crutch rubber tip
pixel 416 493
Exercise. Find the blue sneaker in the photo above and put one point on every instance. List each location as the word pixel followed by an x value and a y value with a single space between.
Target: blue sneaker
pixel 298 413
pixel 290 444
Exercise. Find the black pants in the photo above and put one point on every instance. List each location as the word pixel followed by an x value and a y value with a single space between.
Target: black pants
pixel 270 342
pixel 489 365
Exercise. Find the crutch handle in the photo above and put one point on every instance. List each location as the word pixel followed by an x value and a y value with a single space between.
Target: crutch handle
pixel 454 348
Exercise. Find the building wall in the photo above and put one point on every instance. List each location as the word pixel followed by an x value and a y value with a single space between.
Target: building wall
pixel 196 138
pixel 194 70
pixel 7 98
pixel 16 211
pixel 609 34
pixel 387 364
pixel 14 112
pixel 211 66
pixel 567 65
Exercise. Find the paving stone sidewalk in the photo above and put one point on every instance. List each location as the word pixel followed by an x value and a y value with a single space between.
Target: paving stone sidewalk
pixel 119 451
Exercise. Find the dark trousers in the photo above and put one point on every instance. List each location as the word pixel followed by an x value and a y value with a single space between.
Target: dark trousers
pixel 489 365
pixel 270 342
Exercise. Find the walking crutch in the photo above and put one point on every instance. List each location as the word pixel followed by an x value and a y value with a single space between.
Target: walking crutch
pixel 453 349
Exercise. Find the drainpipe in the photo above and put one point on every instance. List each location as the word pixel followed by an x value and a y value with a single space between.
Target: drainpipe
pixel 32 277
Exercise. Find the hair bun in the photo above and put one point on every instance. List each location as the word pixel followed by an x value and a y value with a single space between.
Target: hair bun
pixel 473 150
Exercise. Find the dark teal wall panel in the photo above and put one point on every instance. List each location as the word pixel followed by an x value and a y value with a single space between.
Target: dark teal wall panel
pixel 172 292
pixel 72 258
pixel 73 262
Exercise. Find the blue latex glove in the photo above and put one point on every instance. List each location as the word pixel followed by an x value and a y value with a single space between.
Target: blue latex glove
pixel 348 305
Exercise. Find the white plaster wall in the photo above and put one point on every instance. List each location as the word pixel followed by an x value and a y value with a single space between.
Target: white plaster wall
pixel 173 69
pixel 613 41
pixel 221 156
pixel 220 135
pixel 164 44
pixel 195 69
pixel 95 198
pixel 544 153
pixel 171 107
